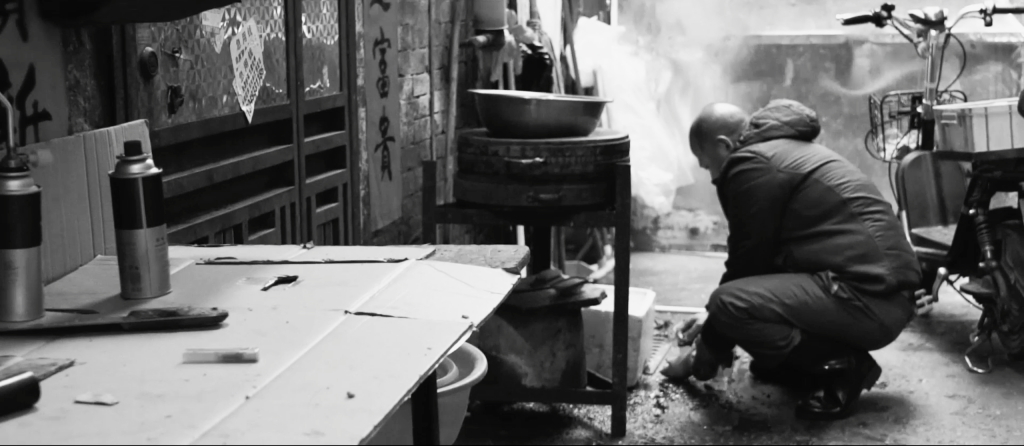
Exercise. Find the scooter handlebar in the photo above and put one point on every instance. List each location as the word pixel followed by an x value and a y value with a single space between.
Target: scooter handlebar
pixel 1008 10
pixel 857 19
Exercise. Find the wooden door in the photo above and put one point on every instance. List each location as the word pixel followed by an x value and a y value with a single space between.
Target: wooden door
pixel 283 178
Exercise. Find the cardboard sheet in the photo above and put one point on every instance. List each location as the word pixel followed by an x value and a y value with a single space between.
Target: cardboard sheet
pixel 77 212
pixel 378 328
pixel 297 253
pixel 95 286
pixel 336 392
pixel 444 291
pixel 350 253
pixel 67 226
pixel 165 401
pixel 101 150
pixel 240 252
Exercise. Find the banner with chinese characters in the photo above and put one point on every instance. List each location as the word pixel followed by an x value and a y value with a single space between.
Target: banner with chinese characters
pixel 32 74
pixel 383 111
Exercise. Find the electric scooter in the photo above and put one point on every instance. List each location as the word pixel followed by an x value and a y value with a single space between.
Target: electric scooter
pixel 944 193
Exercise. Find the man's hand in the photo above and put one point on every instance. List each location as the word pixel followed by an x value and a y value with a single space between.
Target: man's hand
pixel 687 332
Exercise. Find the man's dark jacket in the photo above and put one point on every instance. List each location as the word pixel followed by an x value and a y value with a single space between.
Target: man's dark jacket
pixel 797 207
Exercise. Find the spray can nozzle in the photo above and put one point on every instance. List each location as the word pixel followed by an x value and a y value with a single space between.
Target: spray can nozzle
pixel 133 149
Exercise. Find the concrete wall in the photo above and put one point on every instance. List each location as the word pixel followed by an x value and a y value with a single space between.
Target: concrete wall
pixel 796 49
pixel 836 79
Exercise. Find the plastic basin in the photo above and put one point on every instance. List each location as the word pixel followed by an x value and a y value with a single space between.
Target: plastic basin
pixel 452 400
pixel 447 373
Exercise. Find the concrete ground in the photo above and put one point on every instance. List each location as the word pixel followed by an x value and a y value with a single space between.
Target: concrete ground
pixel 925 395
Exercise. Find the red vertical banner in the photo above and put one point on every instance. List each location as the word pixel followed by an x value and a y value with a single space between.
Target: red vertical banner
pixel 383 111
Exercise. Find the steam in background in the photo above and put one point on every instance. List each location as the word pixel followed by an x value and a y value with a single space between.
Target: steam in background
pixel 665 61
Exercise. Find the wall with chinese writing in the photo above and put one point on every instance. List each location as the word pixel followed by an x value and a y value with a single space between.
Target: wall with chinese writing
pixel 31 74
pixel 421 87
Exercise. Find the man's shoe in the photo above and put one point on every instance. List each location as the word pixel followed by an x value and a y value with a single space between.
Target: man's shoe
pixel 700 363
pixel 840 386
pixel 780 375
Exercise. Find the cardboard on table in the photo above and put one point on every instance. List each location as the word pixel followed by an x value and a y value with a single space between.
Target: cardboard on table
pixel 310 339
pixel 295 253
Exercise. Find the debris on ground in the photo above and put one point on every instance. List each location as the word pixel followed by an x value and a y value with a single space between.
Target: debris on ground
pixel 97 399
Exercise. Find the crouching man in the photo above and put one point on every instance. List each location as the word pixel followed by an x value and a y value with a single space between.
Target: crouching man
pixel 819 271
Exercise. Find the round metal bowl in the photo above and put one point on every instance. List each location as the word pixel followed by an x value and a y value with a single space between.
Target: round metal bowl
pixel 528 115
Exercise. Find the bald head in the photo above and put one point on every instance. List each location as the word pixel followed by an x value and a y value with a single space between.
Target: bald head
pixel 714 133
pixel 716 120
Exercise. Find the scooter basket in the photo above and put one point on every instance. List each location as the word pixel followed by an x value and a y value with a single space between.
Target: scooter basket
pixel 896 121
pixel 981 126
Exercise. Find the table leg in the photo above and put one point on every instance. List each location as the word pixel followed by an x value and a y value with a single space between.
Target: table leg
pixel 429 202
pixel 620 318
pixel 425 425
pixel 540 249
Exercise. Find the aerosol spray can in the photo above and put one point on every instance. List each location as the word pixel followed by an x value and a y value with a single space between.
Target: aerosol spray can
pixel 136 186
pixel 21 235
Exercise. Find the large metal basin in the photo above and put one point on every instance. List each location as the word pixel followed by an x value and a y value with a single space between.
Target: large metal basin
pixel 529 115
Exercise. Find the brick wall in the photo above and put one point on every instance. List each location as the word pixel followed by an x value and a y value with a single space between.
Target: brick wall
pixel 423 55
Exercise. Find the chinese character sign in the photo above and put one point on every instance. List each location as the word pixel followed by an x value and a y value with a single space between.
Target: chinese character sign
pixel 383 125
pixel 247 60
pixel 31 74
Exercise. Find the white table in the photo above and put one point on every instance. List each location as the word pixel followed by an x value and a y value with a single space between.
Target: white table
pixel 340 350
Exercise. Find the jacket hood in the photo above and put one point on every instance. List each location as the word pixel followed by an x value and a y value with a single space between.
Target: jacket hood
pixel 781 119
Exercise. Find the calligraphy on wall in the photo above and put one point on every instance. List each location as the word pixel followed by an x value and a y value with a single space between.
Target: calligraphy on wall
pixel 31 74
pixel 383 112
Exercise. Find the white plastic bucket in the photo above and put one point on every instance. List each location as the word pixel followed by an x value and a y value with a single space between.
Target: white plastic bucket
pixel 452 401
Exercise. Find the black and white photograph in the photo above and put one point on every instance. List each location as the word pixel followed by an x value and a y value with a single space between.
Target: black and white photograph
pixel 511 222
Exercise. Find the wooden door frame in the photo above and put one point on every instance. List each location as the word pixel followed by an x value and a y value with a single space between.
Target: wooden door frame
pixel 351 67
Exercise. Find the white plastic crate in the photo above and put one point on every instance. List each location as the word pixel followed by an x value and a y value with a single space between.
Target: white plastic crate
pixel 981 126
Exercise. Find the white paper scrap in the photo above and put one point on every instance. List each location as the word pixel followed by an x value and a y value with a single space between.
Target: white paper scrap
pixel 218 39
pixel 247 60
pixel 213 17
pixel 212 21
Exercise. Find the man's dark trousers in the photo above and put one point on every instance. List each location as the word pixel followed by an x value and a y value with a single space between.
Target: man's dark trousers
pixel 768 315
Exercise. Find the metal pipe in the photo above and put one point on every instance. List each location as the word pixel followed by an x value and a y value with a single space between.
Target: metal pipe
pixel 569 25
pixel 10 125
pixel 933 69
pixel 459 12
pixel 432 74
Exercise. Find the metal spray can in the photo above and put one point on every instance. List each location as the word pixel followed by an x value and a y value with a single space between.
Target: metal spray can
pixel 21 236
pixel 137 190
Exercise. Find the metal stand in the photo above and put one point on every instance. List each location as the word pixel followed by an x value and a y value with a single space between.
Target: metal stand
pixel 617 216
